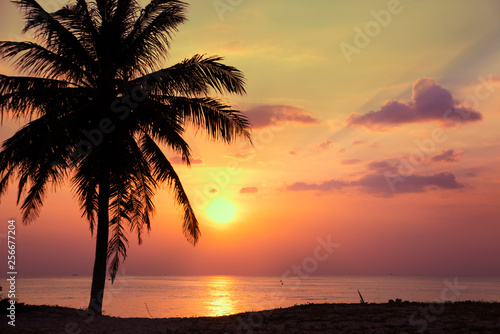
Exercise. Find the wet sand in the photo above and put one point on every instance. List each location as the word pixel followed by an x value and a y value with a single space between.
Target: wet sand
pixel 461 317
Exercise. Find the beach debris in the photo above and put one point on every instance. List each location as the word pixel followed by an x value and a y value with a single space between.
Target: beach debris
pixel 147 308
pixel 362 301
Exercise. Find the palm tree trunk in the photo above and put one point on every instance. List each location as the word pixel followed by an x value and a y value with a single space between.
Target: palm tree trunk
pixel 101 250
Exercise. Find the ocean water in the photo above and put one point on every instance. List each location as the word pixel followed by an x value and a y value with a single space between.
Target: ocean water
pixel 165 296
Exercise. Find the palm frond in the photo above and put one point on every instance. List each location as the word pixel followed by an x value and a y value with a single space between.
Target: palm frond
pixel 149 40
pixel 125 16
pixel 162 123
pixel 53 33
pixel 86 187
pixel 79 20
pixel 26 96
pixel 164 172
pixel 140 187
pixel 117 248
pixel 220 121
pixel 31 152
pixel 34 199
pixel 194 76
pixel 34 59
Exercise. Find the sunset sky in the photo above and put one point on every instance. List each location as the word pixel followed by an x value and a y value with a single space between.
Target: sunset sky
pixel 375 124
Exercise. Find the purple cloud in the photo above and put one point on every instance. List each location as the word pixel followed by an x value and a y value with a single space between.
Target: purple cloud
pixel 275 115
pixel 326 144
pixel 249 190
pixel 431 102
pixel 381 184
pixel 324 186
pixel 447 156
pixel 382 166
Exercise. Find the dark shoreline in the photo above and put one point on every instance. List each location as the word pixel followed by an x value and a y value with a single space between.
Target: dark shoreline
pixel 405 317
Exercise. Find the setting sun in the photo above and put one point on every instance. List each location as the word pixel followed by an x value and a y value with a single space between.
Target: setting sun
pixel 221 211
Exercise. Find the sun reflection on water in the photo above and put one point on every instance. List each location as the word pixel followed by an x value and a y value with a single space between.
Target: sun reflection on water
pixel 221 298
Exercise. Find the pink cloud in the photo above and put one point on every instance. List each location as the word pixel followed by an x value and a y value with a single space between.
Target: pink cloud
pixel 177 160
pixel 358 142
pixel 342 150
pixel 324 186
pixel 249 190
pixel 325 145
pixel 379 184
pixel 212 191
pixel 430 102
pixel 382 166
pixel 448 156
pixel 276 115
pixel 393 165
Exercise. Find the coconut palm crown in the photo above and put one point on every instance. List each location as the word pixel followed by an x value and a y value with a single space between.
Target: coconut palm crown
pixel 98 104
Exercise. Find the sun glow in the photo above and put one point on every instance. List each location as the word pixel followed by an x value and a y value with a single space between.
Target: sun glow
pixel 221 211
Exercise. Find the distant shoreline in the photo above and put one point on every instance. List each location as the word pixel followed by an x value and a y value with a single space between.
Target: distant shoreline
pixel 457 317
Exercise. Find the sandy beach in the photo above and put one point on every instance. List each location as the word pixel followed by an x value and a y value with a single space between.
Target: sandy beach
pixel 460 317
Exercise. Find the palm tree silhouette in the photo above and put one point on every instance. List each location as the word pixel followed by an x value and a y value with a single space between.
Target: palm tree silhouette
pixel 99 104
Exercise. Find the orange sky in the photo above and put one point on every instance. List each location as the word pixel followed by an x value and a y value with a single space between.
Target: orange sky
pixel 385 140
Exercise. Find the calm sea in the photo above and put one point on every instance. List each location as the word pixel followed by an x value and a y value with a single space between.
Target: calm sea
pixel 164 296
